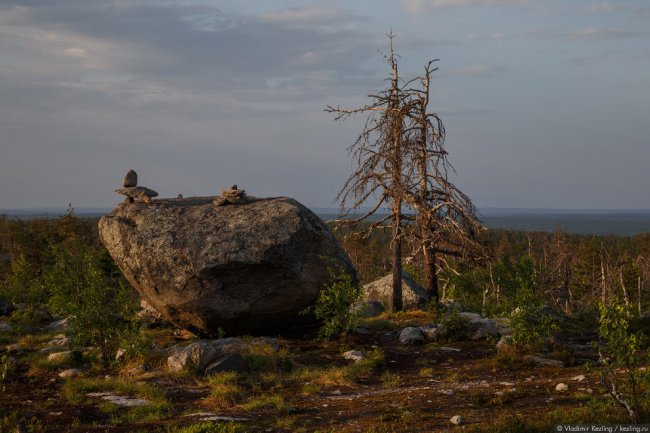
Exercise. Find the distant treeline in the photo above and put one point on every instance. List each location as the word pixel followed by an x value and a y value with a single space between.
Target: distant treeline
pixel 570 272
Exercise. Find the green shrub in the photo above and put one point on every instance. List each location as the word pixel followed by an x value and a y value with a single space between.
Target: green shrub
pixel 620 349
pixel 454 326
pixel 333 304
pixel 209 427
pixel 530 322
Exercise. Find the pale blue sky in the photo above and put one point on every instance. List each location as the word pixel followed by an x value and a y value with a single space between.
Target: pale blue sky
pixel 546 103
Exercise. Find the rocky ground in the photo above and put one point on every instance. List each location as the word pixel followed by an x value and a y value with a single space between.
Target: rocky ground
pixel 369 381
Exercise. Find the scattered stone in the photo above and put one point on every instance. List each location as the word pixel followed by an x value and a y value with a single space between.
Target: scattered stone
pixel 353 355
pixel 209 416
pixel 233 362
pixel 203 355
pixel 184 334
pixel 130 180
pixel 244 269
pixel 336 392
pixel 368 309
pixel 119 400
pixel 6 327
pixel 431 332
pixel 470 316
pixel 449 349
pixel 503 326
pixel 59 340
pixel 71 372
pixel 137 193
pixel 148 313
pixel 361 330
pixel 561 387
pixel 411 336
pixel 505 344
pixel 65 356
pixel 447 392
pixel 59 325
pixel 544 361
pixel 456 420
pixel 273 343
pixel 197 356
pixel 579 378
pixel 232 195
pixel 381 290
pixel 483 328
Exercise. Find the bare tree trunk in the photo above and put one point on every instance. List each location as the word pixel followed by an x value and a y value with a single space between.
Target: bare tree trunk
pixel 626 298
pixel 430 274
pixel 396 303
pixel 638 293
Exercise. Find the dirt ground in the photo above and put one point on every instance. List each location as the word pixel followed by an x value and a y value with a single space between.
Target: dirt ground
pixel 419 389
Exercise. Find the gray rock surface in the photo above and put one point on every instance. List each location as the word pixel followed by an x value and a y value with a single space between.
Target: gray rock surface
pixel 202 355
pixel 233 363
pixel 411 336
pixel 71 372
pixel 483 328
pixel 381 290
pixel 247 268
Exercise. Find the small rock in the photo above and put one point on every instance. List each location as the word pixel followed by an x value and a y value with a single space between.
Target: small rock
pixel 579 378
pixel 233 362
pixel 71 372
pixel 561 387
pixel 430 331
pixel 361 330
pixel 456 420
pixel 411 336
pixel 59 325
pixel 119 399
pixel 380 290
pixel 470 316
pixel 353 355
pixel 59 340
pixel 65 356
pixel 447 392
pixel 483 328
pixel 336 392
pixel 544 361
pixel 130 180
pixel 6 327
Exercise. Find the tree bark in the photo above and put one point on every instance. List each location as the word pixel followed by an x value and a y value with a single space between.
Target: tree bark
pixel 430 274
pixel 396 303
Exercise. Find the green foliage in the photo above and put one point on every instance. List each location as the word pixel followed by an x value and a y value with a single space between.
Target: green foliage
pixel 333 304
pixel 22 284
pixel 80 288
pixel 621 349
pixel 454 326
pixel 530 322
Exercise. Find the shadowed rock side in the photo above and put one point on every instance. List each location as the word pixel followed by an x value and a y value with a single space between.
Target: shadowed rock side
pixel 245 268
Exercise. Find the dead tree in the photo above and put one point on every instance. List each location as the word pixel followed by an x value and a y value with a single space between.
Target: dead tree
pixel 446 217
pixel 379 154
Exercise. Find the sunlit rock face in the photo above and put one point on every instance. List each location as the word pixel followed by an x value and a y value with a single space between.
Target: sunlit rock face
pixel 242 268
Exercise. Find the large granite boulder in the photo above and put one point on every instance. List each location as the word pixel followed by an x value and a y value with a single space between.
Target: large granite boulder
pixel 413 294
pixel 243 268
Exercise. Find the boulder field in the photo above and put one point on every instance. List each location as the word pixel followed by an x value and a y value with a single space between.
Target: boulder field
pixel 242 268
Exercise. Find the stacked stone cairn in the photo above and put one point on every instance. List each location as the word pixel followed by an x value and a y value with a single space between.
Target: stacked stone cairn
pixel 232 195
pixel 133 192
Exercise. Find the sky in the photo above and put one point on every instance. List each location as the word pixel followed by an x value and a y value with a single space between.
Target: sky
pixel 546 103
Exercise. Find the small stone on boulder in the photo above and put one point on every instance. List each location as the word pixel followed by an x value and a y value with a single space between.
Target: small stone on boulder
pixel 138 193
pixel 130 180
